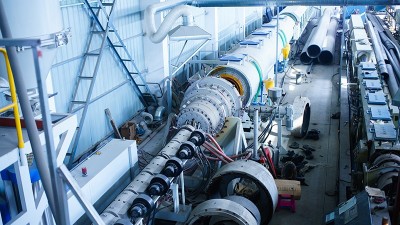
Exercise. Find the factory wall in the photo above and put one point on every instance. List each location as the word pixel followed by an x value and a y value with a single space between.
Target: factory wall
pixel 227 26
pixel 122 102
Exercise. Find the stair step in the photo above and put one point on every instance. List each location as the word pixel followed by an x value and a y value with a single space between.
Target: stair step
pixel 78 102
pixel 85 77
pixel 92 54
pixel 98 32
pixel 108 3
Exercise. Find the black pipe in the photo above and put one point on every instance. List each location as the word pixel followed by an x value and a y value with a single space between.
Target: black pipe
pixel 391 80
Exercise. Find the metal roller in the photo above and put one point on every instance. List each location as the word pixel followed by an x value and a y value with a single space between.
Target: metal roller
pixel 256 176
pixel 118 209
pixel 215 211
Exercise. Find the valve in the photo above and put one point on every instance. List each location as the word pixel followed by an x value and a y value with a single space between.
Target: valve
pixel 141 207
pixel 186 151
pixel 173 167
pixel 159 185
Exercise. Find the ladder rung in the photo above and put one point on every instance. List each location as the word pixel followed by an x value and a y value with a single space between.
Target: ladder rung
pixel 118 46
pixel 126 60
pixel 92 54
pixel 111 30
pixel 84 77
pixel 95 7
pixel 133 73
pixel 78 102
pixel 98 32
pixel 107 3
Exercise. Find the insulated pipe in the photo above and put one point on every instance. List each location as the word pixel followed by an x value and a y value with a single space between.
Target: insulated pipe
pixel 328 47
pixel 377 49
pixel 315 45
pixel 28 116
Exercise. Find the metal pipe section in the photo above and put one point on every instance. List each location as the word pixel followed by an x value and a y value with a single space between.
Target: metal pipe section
pixel 328 47
pixel 30 124
pixel 377 49
pixel 304 58
pixel 317 40
pixel 119 207
pixel 255 139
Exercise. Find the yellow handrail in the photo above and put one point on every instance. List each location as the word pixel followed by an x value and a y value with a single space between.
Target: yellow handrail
pixel 14 103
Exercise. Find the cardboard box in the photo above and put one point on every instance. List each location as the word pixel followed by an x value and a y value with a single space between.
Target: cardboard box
pixel 128 131
pixel 289 187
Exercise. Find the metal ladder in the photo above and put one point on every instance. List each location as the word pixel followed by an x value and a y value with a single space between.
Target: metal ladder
pixel 104 28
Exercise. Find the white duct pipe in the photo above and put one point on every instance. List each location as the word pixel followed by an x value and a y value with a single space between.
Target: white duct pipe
pixel 157 35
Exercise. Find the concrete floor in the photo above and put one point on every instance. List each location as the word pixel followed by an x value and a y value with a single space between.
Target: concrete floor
pixel 320 196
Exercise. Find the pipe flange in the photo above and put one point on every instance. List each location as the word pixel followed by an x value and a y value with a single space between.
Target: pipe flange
pixel 198 137
pixel 173 167
pixel 186 151
pixel 267 197
pixel 141 207
pixel 218 209
pixel 159 185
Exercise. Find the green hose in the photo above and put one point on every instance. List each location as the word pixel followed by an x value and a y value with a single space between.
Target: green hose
pixel 260 75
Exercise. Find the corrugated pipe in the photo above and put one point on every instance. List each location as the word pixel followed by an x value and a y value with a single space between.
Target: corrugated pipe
pixel 377 49
pixel 315 46
pixel 328 47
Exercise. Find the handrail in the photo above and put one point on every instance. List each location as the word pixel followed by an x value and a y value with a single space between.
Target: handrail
pixel 14 101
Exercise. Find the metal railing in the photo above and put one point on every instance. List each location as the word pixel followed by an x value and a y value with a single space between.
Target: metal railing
pixel 14 104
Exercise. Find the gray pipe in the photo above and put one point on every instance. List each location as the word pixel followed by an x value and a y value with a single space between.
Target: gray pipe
pixel 317 39
pixel 304 58
pixel 377 49
pixel 28 116
pixel 328 47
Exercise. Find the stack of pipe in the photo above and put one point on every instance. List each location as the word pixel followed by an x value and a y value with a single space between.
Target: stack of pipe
pixel 386 52
pixel 321 42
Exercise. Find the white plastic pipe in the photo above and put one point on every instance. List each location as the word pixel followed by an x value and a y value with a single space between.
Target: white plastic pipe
pixel 157 35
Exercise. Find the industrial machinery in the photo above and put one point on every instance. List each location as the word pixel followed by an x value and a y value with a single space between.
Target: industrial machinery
pixel 229 184
pixel 374 110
